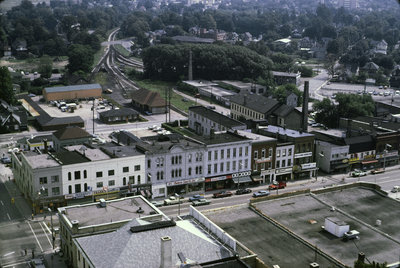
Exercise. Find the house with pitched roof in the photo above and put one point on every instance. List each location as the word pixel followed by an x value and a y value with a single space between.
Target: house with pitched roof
pixel 12 118
pixel 148 101
pixel 70 136
pixel 119 116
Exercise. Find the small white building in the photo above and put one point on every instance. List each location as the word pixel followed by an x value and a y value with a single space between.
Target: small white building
pixel 336 226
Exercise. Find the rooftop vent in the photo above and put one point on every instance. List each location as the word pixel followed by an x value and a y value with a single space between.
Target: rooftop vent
pixel 74 223
pixel 103 203
pixel 314 265
pixel 152 226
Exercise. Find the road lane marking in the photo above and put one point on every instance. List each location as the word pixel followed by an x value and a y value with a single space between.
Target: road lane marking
pixel 44 231
pixel 381 182
pixel 37 240
pixel 8 216
pixel 2 203
pixel 8 254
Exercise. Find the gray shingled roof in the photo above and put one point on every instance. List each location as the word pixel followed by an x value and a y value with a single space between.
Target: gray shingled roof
pixel 284 110
pixel 123 248
pixel 119 112
pixel 216 117
pixel 255 102
pixel 72 132
pixel 72 88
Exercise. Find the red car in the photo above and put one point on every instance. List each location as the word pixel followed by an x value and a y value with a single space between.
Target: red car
pixel 222 194
pixel 279 185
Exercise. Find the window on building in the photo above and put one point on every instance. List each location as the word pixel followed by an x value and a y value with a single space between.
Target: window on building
pixel 85 187
pixel 234 152
pixel 111 172
pixel 43 180
pixel 200 170
pixel 161 191
pixel 172 160
pixel 162 175
pixel 278 153
pixel 131 179
pixel 215 168
pixel 221 167
pixel 209 169
pixel 263 153
pixel 55 179
pixel 138 179
pixel 222 153
pixel 240 167
pixel 289 151
pixel 124 181
pixel 255 154
pixel 228 166
pixel 240 151
pixel 284 152
pixel 69 176
pixel 289 162
pixel 278 163
pixel 99 184
pixel 55 191
pixel 78 188
pixel 125 169
pixel 215 154
pixel 209 155
pixel 111 182
pixel 263 166
pixel 172 173
pixel 85 174
pixel 283 163
pixel 269 165
pixel 70 189
pixel 99 174
pixel 190 172
pixel 234 165
pixel 190 158
pixel 148 163
pixel 137 167
pixel 77 175
pixel 246 164
pixel 228 153
pixel 246 151
pixel 269 152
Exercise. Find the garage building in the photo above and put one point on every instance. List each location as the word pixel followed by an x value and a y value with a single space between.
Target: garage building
pixel 72 92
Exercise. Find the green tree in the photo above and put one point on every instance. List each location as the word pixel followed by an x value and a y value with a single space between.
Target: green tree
pixel 45 66
pixel 282 92
pixel 361 264
pixel 326 112
pixel 80 58
pixel 6 88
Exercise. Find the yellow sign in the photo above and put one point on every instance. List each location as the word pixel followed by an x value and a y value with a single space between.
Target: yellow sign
pixel 354 160
pixel 345 160
pixel 12 200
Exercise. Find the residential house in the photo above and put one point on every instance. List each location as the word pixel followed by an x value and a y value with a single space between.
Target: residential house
pixel 370 68
pixel 378 47
pixel 70 136
pixel 119 115
pixel 282 78
pixel 12 118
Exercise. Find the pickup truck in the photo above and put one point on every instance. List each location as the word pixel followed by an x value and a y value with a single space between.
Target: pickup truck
pixel 172 200
pixel 200 202
pixel 278 185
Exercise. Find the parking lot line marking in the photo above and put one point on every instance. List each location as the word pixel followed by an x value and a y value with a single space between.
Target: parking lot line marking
pixel 44 231
pixel 8 216
pixel 37 240
pixel 389 181
pixel 2 203
pixel 8 254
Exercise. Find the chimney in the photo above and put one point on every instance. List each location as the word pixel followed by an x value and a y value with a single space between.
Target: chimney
pixel 166 252
pixel 361 257
pixel 46 149
pixel 190 74
pixel 304 121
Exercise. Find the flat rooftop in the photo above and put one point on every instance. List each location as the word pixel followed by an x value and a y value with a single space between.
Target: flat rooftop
pixel 285 131
pixel 91 154
pixel 115 210
pixel 219 138
pixel 40 160
pixel 255 137
pixel 216 117
pixel 304 215
pixel 200 83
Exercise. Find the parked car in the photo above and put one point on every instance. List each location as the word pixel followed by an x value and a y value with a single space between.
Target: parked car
pixel 196 197
pixel 350 235
pixel 358 173
pixel 395 189
pixel 5 160
pixel 261 193
pixel 157 203
pixel 277 185
pixel 377 171
pixel 243 191
pixel 173 200
pixel 200 202
pixel 212 107
pixel 222 194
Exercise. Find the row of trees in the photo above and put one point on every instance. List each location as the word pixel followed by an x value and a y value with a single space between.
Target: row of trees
pixel 170 62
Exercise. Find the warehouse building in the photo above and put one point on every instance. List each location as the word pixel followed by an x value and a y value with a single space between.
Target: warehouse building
pixel 72 92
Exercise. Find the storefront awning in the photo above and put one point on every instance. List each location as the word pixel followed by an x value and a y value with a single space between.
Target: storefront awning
pixel 257 178
pixel 241 179
pixel 369 162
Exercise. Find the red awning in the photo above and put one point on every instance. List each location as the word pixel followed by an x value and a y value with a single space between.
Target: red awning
pixel 369 162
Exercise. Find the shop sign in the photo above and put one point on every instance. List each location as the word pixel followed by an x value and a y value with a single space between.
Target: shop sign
pixel 241 174
pixel 188 181
pixel 354 160
pixel 267 171
pixel 370 156
pixel 263 160
pixel 345 161
pixel 283 170
pixel 300 155
pixel 308 165
pixel 389 154
pixel 220 178
pixel 90 193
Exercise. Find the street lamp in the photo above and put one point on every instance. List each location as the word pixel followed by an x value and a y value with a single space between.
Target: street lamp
pixel 240 168
pixel 384 155
pixel 52 228
pixel 179 203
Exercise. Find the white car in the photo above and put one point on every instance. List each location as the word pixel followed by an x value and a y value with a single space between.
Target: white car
pixel 395 189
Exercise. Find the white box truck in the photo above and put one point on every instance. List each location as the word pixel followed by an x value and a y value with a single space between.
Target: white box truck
pixel 336 226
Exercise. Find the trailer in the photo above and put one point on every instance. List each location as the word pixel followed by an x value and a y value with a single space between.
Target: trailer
pixel 336 226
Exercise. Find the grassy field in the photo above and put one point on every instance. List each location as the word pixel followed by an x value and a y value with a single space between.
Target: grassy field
pixel 161 87
pixel 31 64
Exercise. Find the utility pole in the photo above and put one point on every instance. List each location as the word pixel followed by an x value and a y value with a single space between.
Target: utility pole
pixel 93 115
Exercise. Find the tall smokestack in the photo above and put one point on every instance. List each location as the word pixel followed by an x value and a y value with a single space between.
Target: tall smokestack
pixel 304 121
pixel 166 252
pixel 190 75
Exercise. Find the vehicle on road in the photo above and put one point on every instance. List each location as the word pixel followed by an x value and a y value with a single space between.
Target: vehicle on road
pixel 395 189
pixel 243 191
pixel 377 171
pixel 277 185
pixel 212 107
pixel 173 200
pixel 5 160
pixel 222 194
pixel 351 235
pixel 157 203
pixel 200 202
pixel 358 173
pixel 196 197
pixel 261 193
